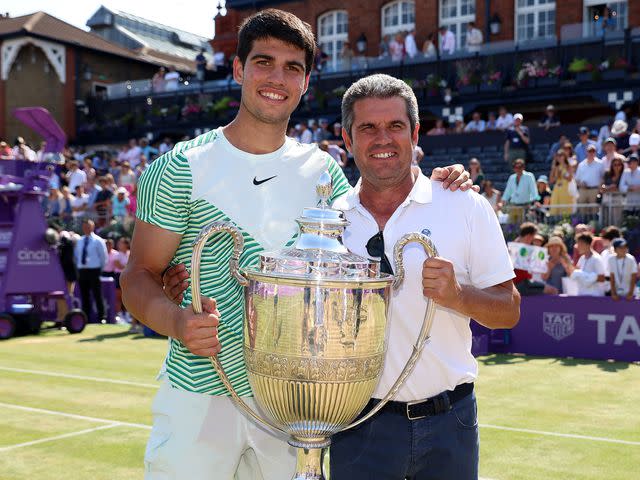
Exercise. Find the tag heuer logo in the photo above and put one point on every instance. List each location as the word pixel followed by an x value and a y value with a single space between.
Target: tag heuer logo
pixel 558 325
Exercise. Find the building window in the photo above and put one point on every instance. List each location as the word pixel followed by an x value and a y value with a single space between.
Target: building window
pixel 595 17
pixel 333 31
pixel 398 16
pixel 535 19
pixel 455 15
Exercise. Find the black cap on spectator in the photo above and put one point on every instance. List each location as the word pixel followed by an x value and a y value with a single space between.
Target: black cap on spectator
pixel 619 242
pixel 633 158
pixel 584 131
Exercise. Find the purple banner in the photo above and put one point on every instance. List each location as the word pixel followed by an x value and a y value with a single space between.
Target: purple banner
pixel 582 327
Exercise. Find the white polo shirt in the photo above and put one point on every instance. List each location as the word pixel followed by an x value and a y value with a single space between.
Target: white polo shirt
pixel 465 230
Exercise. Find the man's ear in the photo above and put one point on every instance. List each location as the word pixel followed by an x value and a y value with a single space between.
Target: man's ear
pixel 238 70
pixel 347 140
pixel 306 83
pixel 415 135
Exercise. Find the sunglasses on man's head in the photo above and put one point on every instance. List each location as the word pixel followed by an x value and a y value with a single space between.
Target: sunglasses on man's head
pixel 375 248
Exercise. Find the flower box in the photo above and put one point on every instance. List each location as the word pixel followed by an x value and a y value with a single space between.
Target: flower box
pixel 467 89
pixel 491 87
pixel 584 77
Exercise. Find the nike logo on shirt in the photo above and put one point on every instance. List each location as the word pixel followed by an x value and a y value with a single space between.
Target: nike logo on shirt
pixel 259 182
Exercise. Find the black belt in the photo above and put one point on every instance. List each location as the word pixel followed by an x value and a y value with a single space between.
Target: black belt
pixel 431 406
pixel 590 188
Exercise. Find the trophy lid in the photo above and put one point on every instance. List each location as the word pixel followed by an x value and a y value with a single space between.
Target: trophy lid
pixel 319 252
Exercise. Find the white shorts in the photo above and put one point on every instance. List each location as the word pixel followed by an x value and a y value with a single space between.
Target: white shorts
pixel 204 437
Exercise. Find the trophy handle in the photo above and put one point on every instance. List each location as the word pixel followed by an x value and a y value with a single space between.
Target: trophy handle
pixel 238 244
pixel 430 250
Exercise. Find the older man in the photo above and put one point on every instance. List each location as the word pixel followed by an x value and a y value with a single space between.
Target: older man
pixel 521 191
pixel 430 430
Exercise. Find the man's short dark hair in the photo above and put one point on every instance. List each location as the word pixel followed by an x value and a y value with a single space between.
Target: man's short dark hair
pixel 528 228
pixel 283 26
pixel 585 238
pixel 611 232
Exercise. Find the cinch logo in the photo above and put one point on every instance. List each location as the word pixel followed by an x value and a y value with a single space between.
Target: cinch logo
pixel 558 325
pixel 33 257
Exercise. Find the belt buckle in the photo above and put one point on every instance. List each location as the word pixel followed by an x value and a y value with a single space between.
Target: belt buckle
pixel 409 404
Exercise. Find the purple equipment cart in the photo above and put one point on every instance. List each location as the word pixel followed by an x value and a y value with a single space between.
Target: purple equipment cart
pixel 31 276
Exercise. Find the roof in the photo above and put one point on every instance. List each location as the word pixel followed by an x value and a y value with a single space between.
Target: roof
pixel 243 4
pixel 42 24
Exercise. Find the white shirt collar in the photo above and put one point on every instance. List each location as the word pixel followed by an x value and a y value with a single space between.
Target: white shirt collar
pixel 420 193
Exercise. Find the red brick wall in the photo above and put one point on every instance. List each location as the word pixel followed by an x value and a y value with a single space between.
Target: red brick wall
pixel 69 125
pixel 569 11
pixel 634 12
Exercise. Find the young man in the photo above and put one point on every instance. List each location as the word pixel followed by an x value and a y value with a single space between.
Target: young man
pixel 589 273
pixel 430 430
pixel 251 174
pixel 623 271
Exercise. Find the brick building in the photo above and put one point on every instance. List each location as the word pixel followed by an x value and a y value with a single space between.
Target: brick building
pixel 337 21
pixel 48 63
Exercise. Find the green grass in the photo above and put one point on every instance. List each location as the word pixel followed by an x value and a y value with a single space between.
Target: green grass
pixel 594 399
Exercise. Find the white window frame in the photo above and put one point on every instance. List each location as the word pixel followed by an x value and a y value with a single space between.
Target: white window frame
pixel 336 39
pixel 535 10
pixel 591 3
pixel 392 29
pixel 457 23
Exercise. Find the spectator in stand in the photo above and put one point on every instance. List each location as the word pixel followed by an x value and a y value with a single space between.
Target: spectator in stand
pixel 80 203
pixel 53 204
pixel 92 188
pixel 458 126
pixel 446 41
pixel 429 46
pixel 123 247
pixel 620 134
pixel 589 177
pixel 517 140
pixel 102 203
pixel 66 214
pixel 109 271
pixel 127 176
pixel 41 153
pixel 630 184
pixel 384 47
pixel 571 156
pixel 561 177
pixel 438 129
pixel 75 176
pixel 505 119
pixel 610 152
pixel 607 236
pixel 120 204
pixel 634 145
pixel 410 46
pixel 477 124
pixel 476 174
pixel 612 177
pixel 5 151
pixel 142 165
pixel 604 133
pixel 346 56
pixel 22 151
pixel 88 169
pixel 165 146
pixel 171 80
pixel 148 150
pixel 132 154
pixel 114 169
pixel 520 191
pixel 550 119
pixel 589 273
pixel 581 147
pixel 323 132
pixel 559 263
pixel 474 38
pixel 556 146
pixel 157 81
pixel 544 196
pixel 201 66
pixel 396 48
pixel 336 136
pixel 492 122
pixel 90 257
pixel 418 156
pixel 338 154
pixel 306 135
pixel 493 196
pixel 623 271
pixel 320 62
pixel 597 245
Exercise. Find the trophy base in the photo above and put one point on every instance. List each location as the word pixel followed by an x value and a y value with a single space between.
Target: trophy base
pixel 309 464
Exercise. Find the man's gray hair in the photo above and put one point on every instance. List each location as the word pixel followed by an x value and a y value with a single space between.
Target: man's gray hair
pixel 378 86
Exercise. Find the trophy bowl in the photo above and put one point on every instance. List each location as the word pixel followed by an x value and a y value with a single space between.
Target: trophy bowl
pixel 315 330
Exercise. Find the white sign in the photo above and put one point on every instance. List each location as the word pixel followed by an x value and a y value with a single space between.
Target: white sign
pixel 528 257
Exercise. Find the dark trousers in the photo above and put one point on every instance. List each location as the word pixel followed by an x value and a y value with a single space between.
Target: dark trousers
pixel 392 447
pixel 89 283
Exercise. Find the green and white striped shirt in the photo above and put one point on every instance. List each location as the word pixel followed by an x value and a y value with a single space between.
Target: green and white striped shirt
pixel 208 179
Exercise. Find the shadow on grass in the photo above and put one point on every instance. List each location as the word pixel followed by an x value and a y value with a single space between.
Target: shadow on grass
pixel 512 359
pixel 106 336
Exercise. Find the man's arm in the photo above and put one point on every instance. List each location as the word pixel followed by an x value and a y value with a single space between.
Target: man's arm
pixel 152 249
pixel 632 285
pixel 497 306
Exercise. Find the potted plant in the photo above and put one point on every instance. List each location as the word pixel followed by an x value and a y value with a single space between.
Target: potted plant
pixel 468 77
pixel 537 73
pixel 614 68
pixel 433 84
pixel 583 70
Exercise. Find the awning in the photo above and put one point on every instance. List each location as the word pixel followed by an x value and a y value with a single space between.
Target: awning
pixel 42 122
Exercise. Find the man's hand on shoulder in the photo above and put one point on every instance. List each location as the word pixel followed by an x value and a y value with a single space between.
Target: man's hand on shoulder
pixel 454 177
